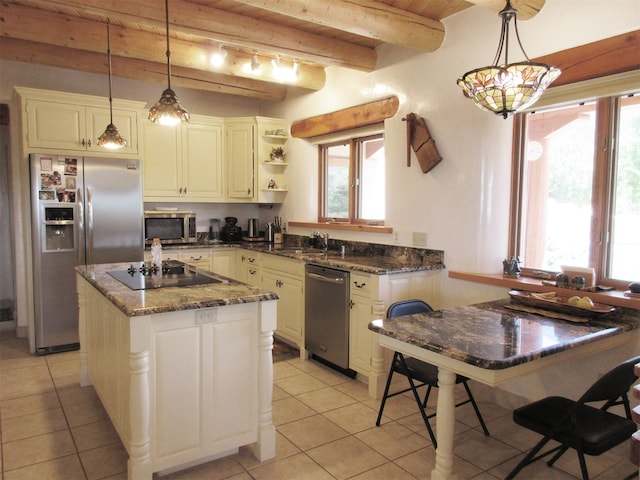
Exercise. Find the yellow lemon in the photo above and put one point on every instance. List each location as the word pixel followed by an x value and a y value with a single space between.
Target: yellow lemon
pixel 585 302
pixel 573 300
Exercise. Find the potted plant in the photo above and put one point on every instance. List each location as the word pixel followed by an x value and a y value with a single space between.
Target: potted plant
pixel 278 154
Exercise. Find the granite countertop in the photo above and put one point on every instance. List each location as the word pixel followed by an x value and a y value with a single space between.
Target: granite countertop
pixel 375 259
pixel 168 299
pixel 490 336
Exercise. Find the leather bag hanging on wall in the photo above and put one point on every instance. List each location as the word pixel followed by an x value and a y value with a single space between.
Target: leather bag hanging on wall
pixel 419 138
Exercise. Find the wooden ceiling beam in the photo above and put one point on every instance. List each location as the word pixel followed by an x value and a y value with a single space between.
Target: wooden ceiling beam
pixel 204 20
pixel 63 57
pixel 23 23
pixel 366 18
pixel 526 8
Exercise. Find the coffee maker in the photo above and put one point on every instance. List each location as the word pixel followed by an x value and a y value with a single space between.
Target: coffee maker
pixel 231 232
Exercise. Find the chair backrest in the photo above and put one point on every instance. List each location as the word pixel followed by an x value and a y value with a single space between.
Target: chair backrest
pixel 407 307
pixel 612 384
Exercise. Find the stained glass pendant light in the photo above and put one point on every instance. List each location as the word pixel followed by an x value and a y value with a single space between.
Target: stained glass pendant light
pixel 507 88
pixel 110 139
pixel 167 110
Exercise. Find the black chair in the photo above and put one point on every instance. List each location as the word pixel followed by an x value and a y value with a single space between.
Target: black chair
pixel 574 424
pixel 424 373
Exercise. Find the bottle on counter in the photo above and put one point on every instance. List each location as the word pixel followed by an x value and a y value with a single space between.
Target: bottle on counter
pixel 156 252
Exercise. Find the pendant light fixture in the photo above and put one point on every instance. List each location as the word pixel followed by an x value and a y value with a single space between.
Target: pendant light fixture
pixel 167 110
pixel 507 88
pixel 110 139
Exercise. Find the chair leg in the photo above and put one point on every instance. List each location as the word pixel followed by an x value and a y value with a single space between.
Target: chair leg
pixel 583 466
pixel 426 396
pixel 529 458
pixel 561 451
pixel 386 388
pixel 475 407
pixel 418 401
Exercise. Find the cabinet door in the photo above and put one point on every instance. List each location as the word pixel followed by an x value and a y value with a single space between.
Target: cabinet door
pixel 202 161
pixel 290 304
pixel 56 125
pixel 223 263
pixel 240 161
pixel 161 166
pixel 125 121
pixel 360 337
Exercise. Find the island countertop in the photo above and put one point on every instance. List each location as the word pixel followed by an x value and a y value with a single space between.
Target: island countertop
pixel 168 299
pixel 491 336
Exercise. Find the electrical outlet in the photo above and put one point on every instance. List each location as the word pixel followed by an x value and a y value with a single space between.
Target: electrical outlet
pixel 419 239
pixel 395 237
pixel 208 315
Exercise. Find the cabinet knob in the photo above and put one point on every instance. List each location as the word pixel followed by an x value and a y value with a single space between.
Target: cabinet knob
pixel 359 285
pixel 196 258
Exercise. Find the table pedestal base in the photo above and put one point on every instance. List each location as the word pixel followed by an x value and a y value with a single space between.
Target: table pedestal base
pixel 445 426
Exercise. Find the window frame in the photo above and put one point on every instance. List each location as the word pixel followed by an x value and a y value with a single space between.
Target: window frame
pixel 355 184
pixel 603 187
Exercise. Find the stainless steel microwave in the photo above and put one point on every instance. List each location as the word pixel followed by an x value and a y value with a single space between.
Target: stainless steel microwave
pixel 170 226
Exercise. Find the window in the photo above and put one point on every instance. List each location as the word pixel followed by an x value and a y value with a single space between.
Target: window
pixel 577 188
pixel 352 181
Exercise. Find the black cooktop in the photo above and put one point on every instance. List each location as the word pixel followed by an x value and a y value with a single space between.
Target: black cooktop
pixel 172 274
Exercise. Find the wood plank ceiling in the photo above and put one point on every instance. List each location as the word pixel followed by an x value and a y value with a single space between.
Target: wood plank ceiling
pixel 312 33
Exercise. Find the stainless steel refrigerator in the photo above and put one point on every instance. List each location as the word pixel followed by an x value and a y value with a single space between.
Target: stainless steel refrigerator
pixel 84 211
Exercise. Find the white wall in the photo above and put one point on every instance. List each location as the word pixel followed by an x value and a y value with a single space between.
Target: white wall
pixel 463 203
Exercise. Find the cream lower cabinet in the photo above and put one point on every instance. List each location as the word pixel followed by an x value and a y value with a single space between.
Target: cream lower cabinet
pixel 183 163
pixel 370 297
pixel 223 261
pixel 249 267
pixel 285 276
pixel 63 121
pixel 198 257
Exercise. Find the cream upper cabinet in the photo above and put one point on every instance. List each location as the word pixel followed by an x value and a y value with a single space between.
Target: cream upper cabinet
pixel 240 160
pixel 56 121
pixel 161 164
pixel 183 163
pixel 251 173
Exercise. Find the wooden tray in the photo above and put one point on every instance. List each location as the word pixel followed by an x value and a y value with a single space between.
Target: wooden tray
pixel 560 305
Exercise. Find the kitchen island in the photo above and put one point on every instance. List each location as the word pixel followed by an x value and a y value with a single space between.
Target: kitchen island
pixel 185 373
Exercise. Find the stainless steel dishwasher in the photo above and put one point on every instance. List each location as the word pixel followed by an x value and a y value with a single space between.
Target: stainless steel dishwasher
pixel 327 316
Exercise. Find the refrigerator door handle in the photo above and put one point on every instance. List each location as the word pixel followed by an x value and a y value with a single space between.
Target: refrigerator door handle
pixel 80 235
pixel 89 226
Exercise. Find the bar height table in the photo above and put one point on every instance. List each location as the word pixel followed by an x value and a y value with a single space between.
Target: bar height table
pixel 491 343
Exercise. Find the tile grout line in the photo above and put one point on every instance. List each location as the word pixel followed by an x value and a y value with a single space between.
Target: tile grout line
pixel 66 419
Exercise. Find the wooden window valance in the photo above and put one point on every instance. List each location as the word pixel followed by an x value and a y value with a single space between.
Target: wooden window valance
pixel 346 119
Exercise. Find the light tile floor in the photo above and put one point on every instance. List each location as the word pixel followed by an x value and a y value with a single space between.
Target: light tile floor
pixel 53 429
